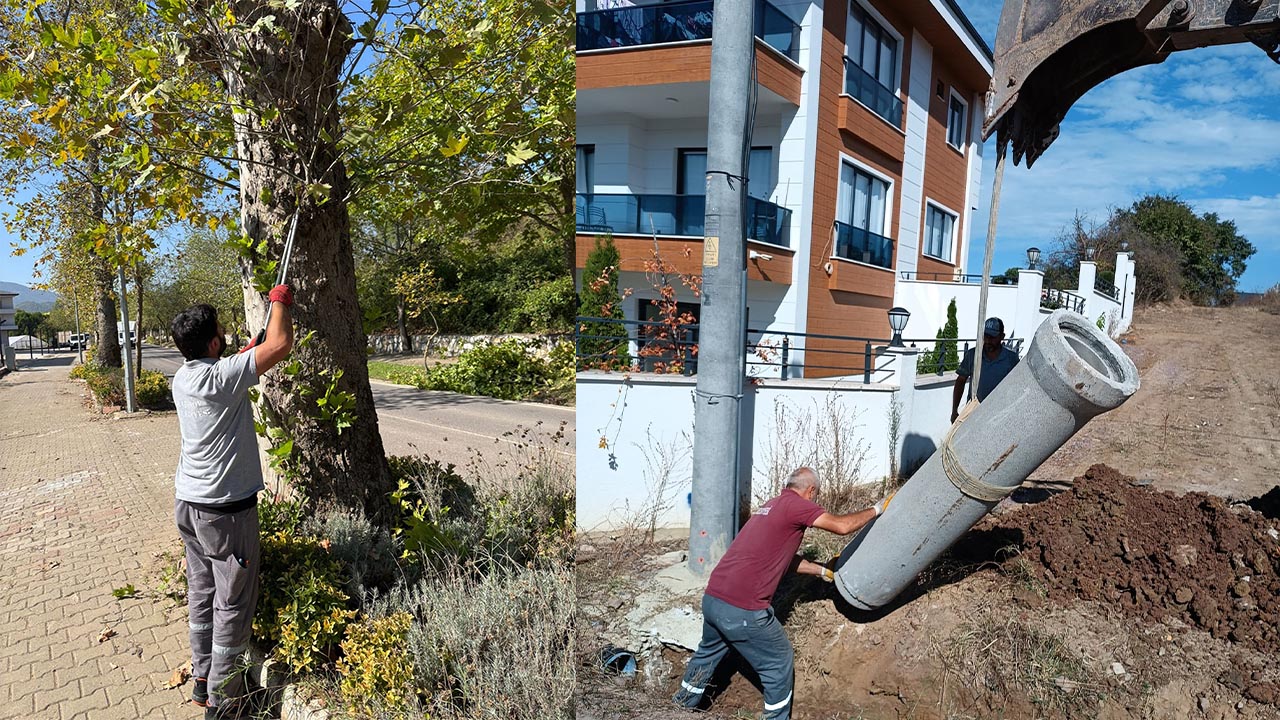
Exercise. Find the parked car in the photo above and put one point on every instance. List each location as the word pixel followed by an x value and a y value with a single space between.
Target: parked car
pixel 79 341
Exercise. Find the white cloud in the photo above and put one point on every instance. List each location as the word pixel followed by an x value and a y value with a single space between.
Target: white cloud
pixel 1140 133
pixel 1257 217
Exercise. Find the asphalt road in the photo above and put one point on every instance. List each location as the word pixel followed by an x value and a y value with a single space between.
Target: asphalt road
pixel 478 433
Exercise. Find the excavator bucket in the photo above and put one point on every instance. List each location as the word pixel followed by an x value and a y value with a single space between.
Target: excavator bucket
pixel 1049 53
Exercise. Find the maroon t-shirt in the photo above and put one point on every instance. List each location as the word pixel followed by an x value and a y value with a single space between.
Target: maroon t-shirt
pixel 751 569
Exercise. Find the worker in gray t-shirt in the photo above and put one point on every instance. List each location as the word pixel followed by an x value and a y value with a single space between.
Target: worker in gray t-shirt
pixel 997 361
pixel 216 494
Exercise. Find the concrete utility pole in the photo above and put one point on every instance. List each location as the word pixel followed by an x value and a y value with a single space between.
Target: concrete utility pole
pixel 128 356
pixel 721 350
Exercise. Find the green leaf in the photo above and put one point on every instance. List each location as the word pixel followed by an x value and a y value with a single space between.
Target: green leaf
pixel 454 146
pixel 520 154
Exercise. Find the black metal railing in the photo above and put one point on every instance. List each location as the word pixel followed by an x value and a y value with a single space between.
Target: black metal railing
pixel 678 22
pixel 1052 299
pixel 679 215
pixel 954 278
pixel 869 91
pixel 833 354
pixel 1102 287
pixel 863 246
pixel 603 343
pixel 657 346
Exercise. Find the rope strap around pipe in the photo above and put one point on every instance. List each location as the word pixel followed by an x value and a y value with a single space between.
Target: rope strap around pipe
pixel 964 482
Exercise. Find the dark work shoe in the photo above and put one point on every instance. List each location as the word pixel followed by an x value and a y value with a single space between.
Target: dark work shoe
pixel 200 693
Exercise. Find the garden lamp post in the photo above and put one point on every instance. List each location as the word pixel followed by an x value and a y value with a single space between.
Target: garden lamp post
pixel 898 317
pixel 1088 253
pixel 1033 257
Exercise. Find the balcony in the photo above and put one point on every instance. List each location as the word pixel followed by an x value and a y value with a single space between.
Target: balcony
pixel 678 22
pixel 881 100
pixel 674 215
pixel 863 246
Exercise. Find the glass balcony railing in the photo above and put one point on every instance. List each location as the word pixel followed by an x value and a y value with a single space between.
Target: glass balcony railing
pixel 863 246
pixel 883 101
pixel 678 215
pixel 678 22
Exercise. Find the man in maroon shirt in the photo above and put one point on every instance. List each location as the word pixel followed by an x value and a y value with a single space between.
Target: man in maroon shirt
pixel 736 608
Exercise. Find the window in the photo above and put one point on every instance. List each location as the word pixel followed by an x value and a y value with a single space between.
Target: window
pixel 586 169
pixel 871 47
pixel 864 199
pixel 939 228
pixel 957 113
pixel 691 174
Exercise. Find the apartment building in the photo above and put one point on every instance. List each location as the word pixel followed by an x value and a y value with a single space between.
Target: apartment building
pixel 865 161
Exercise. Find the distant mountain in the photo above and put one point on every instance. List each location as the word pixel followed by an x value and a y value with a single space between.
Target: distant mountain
pixel 28 299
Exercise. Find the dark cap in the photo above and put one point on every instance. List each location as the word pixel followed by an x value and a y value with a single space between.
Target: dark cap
pixel 993 327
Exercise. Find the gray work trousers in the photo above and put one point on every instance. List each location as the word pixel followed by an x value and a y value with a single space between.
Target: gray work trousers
pixel 759 639
pixel 222 592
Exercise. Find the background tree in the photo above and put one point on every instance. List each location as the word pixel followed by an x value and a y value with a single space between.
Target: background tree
pixel 602 298
pixel 1178 254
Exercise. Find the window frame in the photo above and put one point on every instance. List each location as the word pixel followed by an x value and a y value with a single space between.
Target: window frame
pixel 858 166
pixel 588 150
pixel 885 28
pixel 933 205
pixel 954 97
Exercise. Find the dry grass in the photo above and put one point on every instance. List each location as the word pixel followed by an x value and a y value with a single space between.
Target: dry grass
pixel 1003 657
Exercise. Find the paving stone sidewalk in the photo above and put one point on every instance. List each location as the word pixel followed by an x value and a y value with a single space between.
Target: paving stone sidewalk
pixel 85 504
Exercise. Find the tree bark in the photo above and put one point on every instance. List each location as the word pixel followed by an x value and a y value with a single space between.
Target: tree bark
pixel 296 73
pixel 406 342
pixel 107 353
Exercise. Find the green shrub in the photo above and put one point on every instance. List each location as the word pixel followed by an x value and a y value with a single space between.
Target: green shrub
pixel 377 667
pixel 504 370
pixel 280 516
pixel 548 307
pixel 367 553
pixel 152 390
pixel 302 611
pixel 497 646
pixel 441 521
pixel 106 384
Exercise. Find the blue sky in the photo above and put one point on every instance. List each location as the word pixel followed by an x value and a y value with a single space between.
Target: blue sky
pixel 1203 125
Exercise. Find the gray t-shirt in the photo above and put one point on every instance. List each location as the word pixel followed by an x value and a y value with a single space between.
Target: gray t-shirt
pixel 219 460
pixel 993 371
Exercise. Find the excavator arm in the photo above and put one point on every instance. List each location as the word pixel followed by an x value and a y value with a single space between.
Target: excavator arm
pixel 1049 53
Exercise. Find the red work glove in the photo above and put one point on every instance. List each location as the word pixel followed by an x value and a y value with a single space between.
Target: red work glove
pixel 281 294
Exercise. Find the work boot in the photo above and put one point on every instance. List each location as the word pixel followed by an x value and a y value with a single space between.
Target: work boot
pixel 200 693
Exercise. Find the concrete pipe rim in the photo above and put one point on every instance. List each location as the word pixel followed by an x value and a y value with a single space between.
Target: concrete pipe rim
pixel 1110 375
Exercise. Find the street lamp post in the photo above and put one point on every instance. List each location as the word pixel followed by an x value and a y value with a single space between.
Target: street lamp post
pixel 1033 257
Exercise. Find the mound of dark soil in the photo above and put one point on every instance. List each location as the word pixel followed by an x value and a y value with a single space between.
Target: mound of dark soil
pixel 1157 555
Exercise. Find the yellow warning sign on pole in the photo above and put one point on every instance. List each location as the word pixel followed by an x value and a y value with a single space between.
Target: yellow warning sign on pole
pixel 711 252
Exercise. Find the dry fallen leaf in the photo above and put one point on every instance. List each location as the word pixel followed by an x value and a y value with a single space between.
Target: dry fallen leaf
pixel 180 676
pixel 105 634
pixel 325 543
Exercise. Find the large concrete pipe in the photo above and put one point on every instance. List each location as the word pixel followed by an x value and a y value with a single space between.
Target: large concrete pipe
pixel 1072 372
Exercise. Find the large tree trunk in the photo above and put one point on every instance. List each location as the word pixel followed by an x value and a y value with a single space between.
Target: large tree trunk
pixel 406 342
pixel 104 281
pixel 108 350
pixel 297 76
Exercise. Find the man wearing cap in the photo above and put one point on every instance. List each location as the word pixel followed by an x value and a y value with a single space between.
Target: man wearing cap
pixel 997 361
pixel 736 605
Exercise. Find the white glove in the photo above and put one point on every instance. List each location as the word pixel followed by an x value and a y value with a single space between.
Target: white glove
pixel 880 506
